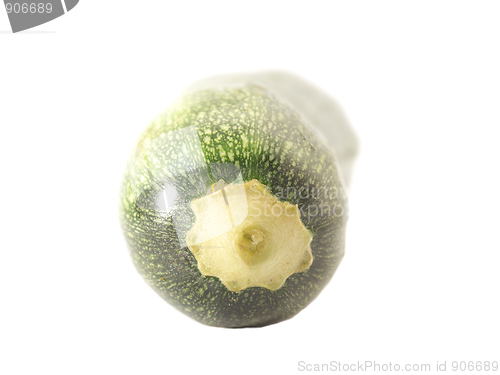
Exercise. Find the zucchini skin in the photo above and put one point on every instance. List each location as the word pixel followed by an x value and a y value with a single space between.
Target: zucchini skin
pixel 221 132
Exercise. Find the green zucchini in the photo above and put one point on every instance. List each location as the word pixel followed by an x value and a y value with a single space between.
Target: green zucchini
pixel 233 204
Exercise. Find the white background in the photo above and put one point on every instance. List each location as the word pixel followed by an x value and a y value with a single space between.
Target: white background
pixel 420 83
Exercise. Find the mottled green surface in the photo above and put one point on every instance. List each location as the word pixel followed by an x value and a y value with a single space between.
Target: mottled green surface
pixel 236 128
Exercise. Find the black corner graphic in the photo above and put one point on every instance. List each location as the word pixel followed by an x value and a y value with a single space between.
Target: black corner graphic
pixel 70 4
pixel 26 14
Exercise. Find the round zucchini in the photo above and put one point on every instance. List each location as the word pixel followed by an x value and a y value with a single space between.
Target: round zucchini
pixel 233 205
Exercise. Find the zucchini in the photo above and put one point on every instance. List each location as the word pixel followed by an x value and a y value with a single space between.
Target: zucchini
pixel 233 204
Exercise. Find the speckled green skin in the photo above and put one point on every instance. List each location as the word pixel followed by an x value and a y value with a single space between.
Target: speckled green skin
pixel 248 127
